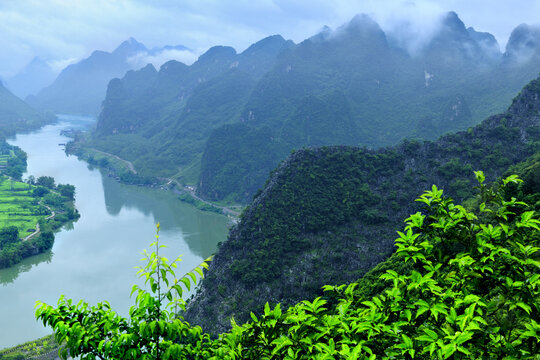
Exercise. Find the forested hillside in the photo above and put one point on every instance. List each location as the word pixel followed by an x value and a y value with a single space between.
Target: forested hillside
pixel 462 282
pixel 17 116
pixel 355 85
pixel 327 215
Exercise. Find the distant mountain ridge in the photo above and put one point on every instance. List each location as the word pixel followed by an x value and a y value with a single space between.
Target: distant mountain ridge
pixel 172 122
pixel 33 77
pixel 153 109
pixel 81 87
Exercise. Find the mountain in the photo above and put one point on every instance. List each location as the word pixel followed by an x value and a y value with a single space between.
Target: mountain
pixel 327 215
pixel 486 42
pixel 384 95
pixel 80 88
pixel 354 85
pixel 33 77
pixel 148 111
pixel 455 43
pixel 524 43
pixel 17 116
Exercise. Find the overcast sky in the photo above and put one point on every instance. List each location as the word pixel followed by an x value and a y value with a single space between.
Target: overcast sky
pixel 63 31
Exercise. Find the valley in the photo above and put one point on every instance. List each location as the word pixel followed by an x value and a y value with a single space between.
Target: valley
pixel 368 189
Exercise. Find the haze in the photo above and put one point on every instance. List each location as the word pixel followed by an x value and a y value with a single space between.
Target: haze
pixel 62 32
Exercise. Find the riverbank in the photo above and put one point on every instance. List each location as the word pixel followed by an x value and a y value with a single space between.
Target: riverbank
pixel 124 171
pixel 28 208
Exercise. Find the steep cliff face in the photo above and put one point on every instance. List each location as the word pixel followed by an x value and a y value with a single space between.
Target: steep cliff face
pixel 327 215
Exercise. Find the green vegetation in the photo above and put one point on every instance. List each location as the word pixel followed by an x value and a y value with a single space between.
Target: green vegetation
pixel 29 214
pixel 16 116
pixel 152 330
pixel 19 206
pixel 36 348
pixel 235 144
pixel 326 215
pixel 12 160
pixel 469 291
pixel 201 205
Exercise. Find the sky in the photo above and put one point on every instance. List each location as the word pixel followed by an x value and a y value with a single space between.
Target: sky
pixel 66 31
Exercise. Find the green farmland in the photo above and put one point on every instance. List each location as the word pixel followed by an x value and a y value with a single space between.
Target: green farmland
pixel 19 207
pixel 29 214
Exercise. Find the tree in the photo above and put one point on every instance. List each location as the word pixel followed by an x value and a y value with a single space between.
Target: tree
pixel 46 181
pixel 8 235
pixel 152 330
pixel 67 190
pixel 40 191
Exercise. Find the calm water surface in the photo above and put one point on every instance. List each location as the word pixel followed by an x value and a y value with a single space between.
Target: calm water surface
pixel 94 259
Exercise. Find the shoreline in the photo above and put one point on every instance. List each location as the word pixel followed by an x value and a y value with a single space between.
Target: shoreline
pixel 201 204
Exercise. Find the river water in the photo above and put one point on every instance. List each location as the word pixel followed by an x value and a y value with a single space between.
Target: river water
pixel 95 258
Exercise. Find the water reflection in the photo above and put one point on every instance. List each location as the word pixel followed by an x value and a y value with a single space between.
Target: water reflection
pixel 9 275
pixel 200 229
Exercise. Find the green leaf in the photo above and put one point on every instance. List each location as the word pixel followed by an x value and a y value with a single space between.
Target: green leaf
pixel 186 282
pixel 480 177
pixel 524 306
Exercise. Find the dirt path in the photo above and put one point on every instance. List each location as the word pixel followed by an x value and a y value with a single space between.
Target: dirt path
pixel 35 233
pixel 128 163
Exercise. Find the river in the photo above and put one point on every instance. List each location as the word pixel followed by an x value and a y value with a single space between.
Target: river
pixel 95 258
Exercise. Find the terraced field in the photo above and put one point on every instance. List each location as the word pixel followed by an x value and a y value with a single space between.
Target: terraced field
pixel 3 160
pixel 18 207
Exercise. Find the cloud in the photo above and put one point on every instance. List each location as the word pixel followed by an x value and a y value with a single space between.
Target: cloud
pixel 65 29
pixel 59 64
pixel 157 59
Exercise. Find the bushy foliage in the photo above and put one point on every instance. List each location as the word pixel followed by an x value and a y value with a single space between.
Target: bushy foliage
pixel 8 234
pixel 66 190
pixel 14 252
pixel 529 189
pixel 470 292
pixel 46 181
pixel 152 330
